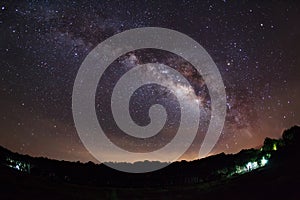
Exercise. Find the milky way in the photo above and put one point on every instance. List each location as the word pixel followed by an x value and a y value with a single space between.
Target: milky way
pixel 255 46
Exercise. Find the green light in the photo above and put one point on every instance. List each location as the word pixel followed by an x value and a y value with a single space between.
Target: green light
pixel 254 165
pixel 263 161
pixel 249 166
pixel 274 147
pixel 240 169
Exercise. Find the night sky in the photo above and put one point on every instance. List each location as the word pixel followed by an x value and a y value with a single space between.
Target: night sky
pixel 254 44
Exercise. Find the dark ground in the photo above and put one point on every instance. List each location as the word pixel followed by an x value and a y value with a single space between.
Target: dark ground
pixel 268 183
pixel 279 179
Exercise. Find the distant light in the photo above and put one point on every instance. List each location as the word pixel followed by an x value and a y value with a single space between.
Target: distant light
pixel 274 147
pixel 263 161
pixel 255 165
pixel 252 165
pixel 249 166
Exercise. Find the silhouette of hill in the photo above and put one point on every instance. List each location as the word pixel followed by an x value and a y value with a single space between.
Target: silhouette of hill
pixel 269 172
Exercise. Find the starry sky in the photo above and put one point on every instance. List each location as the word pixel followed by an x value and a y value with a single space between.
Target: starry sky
pixel 255 45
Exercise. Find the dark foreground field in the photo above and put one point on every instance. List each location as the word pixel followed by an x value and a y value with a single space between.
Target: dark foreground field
pixel 278 179
pixel 280 182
